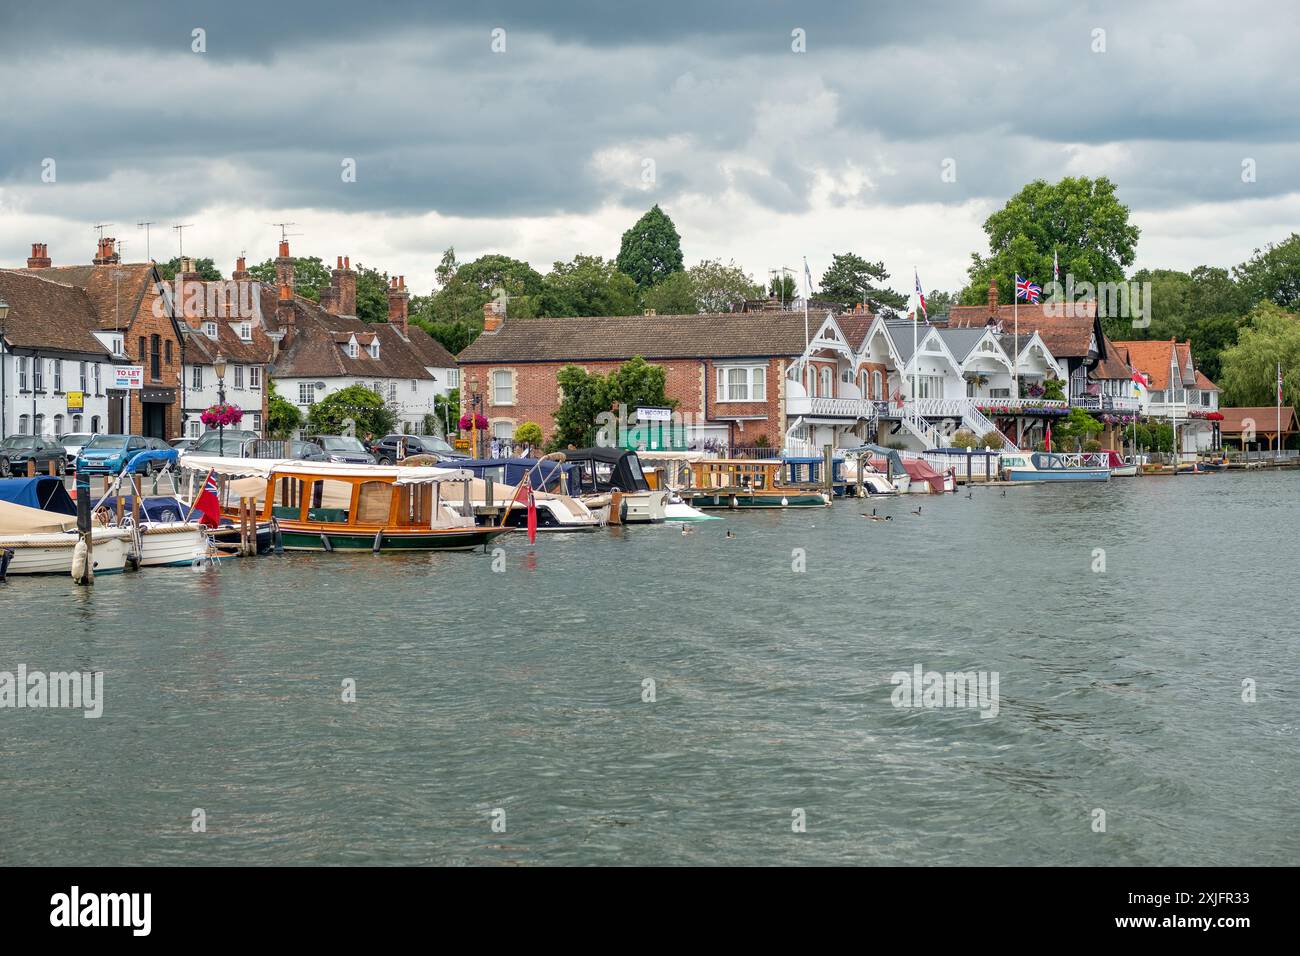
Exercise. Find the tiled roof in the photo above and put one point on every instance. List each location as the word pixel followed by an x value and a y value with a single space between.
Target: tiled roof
pixel 201 350
pixel 855 326
pixel 960 342
pixel 47 314
pixel 618 338
pixel 1114 365
pixel 1154 356
pixel 1264 418
pixel 1067 335
pixel 318 348
pixel 116 291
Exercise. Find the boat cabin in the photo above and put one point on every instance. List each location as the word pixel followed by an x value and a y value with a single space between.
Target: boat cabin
pixel 602 470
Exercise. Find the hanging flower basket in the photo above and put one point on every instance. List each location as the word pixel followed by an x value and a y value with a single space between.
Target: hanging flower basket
pixel 222 415
pixel 478 421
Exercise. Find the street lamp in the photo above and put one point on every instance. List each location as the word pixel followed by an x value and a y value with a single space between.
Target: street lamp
pixel 4 394
pixel 219 366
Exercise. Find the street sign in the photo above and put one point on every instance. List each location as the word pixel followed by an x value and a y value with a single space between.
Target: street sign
pixel 654 414
pixel 128 376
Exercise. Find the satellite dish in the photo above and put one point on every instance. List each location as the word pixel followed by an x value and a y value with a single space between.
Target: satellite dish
pixel 320 384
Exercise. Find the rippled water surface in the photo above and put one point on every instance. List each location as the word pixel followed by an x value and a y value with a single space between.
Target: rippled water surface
pixel 522 690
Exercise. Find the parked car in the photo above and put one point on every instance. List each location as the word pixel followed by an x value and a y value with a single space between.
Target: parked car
pixel 344 448
pixel 389 448
pixel 72 443
pixel 229 443
pixel 108 454
pixel 17 450
pixel 182 445
pixel 305 451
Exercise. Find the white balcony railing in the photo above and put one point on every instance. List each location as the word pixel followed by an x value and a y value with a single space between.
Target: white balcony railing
pixel 1105 403
pixel 831 407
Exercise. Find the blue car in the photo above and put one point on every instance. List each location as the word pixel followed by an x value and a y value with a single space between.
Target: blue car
pixel 108 454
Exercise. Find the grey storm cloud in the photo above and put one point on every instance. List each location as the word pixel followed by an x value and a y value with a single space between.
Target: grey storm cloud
pixel 712 92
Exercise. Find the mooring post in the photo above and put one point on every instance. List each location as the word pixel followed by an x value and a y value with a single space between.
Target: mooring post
pixel 828 463
pixel 84 528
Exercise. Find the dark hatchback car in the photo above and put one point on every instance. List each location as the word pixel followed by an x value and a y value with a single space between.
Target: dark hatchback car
pixel 392 448
pixel 344 448
pixel 17 450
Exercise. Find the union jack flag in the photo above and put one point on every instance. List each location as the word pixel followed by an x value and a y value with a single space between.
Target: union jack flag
pixel 1028 290
pixel 920 296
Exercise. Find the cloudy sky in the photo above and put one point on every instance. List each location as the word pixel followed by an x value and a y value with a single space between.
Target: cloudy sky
pixel 595 110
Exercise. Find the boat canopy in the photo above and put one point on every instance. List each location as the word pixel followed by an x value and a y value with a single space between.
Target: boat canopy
pixel 266 467
pixel 604 469
pixel 890 455
pixel 20 519
pixel 542 473
pixel 45 493
pixel 140 459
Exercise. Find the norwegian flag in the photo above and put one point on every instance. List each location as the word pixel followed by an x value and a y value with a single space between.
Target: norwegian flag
pixel 920 296
pixel 1028 290
pixel 207 503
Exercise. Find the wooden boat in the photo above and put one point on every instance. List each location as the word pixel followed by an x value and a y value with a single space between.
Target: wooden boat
pixel 1054 466
pixel 330 506
pixel 742 483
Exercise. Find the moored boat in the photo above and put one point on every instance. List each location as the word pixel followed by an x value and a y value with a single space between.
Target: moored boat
pixel 743 483
pixel 1119 467
pixel 44 540
pixel 611 478
pixel 1053 466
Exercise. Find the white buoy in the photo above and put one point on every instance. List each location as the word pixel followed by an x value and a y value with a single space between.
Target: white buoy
pixel 80 565
pixel 784 502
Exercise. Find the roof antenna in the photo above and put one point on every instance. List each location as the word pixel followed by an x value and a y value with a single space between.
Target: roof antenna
pixel 180 238
pixel 284 230
pixel 145 226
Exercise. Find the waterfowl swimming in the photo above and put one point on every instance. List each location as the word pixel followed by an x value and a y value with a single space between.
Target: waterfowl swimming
pixel 917 512
pixel 875 517
pixel 730 533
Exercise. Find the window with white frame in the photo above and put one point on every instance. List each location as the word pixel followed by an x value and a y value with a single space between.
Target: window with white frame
pixel 38 427
pixel 58 375
pixel 453 378
pixel 374 349
pixel 877 386
pixel 414 386
pixel 503 431
pixel 210 330
pixel 94 424
pixel 929 386
pixel 196 378
pixel 81 369
pixel 392 391
pixel 22 376
pixel 98 389
pixel 38 375
pixel 194 427
pixel 352 349
pixel 828 382
pixel 246 331
pixel 58 425
pixel 378 389
pixel 306 393
pixel 742 383
pixel 22 424
pixel 76 423
pixel 257 422
pixel 255 377
pixel 239 377
pixel 503 387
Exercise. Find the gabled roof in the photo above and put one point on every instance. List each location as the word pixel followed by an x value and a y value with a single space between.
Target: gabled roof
pixel 1156 358
pixel 1067 335
pixel 432 352
pixel 317 348
pixel 201 350
pixel 1263 418
pixel 116 291
pixel 618 338
pixel 961 342
pixel 47 314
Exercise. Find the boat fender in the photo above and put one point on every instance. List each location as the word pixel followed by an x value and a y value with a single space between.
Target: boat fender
pixel 379 541
pixel 80 564
pixel 785 502
pixel 325 542
pixel 622 512
pixel 277 542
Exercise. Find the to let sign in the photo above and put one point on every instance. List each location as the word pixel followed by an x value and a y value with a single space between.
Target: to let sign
pixel 128 376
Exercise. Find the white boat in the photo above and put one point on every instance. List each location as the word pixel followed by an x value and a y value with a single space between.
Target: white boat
pixel 608 477
pixel 678 510
pixel 161 545
pixel 50 552
pixel 554 512
pixel 874 484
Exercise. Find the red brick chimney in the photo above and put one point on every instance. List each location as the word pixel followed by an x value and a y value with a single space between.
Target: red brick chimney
pixel 347 283
pixel 993 297
pixel 330 296
pixel 284 313
pixel 40 257
pixel 493 316
pixel 398 300
pixel 106 254
pixel 241 270
pixel 284 266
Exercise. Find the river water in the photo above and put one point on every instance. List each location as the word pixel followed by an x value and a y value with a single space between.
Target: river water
pixel 518 697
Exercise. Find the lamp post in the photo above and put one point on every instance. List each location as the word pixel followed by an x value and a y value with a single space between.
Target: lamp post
pixel 219 366
pixel 4 352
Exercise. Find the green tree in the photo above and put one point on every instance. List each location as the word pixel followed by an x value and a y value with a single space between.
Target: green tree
pixel 783 287
pixel 587 286
pixel 1203 307
pixel 206 269
pixel 1273 274
pixel 447 267
pixel 1078 218
pixel 651 250
pixel 529 433
pixel 939 303
pixel 372 295
pixel 675 295
pixel 635 383
pixel 310 275
pixel 721 287
pixel 1249 377
pixel 282 416
pixel 1072 430
pixel 367 411
pixel 852 280
pixel 446 412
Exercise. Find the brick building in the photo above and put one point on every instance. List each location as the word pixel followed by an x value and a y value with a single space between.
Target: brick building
pixel 138 329
pixel 726 371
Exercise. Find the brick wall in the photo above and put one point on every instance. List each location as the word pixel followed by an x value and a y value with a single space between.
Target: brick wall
pixel 145 323
pixel 537 394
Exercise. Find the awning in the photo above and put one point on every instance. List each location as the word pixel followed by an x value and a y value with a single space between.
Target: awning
pixel 266 467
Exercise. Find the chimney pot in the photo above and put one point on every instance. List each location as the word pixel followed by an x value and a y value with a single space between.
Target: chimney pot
pixel 284 248
pixel 993 297
pixel 492 317
pixel 40 257
pixel 347 263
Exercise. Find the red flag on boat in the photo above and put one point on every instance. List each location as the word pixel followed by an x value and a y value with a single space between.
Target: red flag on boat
pixel 207 503
pixel 1049 436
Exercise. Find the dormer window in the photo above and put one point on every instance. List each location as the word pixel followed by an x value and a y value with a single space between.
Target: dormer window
pixel 210 330
pixel 352 348
pixel 246 331
pixel 374 349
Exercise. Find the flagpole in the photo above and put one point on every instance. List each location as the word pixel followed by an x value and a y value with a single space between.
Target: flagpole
pixel 1277 452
